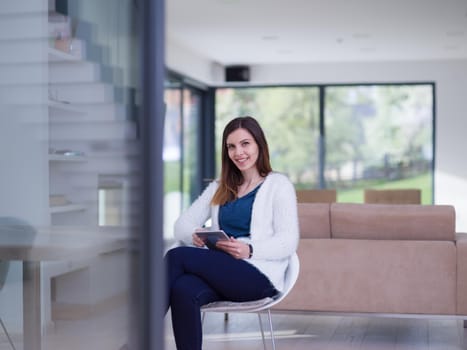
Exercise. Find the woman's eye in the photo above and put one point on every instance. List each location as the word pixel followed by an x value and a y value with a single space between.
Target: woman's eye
pixel 246 143
pixel 230 146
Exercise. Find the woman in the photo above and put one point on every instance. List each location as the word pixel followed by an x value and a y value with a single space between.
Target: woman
pixel 257 208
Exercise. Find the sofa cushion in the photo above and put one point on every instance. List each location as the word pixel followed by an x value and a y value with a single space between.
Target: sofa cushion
pixel 314 220
pixel 393 221
pixel 340 275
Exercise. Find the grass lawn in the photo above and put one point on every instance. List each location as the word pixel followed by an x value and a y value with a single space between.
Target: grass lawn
pixel 354 195
pixel 423 182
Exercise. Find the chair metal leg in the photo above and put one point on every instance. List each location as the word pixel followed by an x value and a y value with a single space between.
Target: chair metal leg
pixel 271 330
pixel 226 317
pixel 465 323
pixel 261 328
pixel 7 335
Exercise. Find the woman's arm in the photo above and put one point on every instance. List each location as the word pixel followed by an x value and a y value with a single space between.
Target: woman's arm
pixel 196 215
pixel 283 240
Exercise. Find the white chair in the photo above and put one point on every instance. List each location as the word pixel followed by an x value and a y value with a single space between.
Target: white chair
pixel 258 306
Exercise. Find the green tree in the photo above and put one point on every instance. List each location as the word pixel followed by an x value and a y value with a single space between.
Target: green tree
pixel 289 117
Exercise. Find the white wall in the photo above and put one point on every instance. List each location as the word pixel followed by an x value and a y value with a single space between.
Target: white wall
pixel 192 64
pixel 450 78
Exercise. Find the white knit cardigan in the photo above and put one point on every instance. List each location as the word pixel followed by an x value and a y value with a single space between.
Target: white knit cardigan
pixel 274 229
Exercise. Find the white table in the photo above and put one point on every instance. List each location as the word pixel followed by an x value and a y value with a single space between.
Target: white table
pixel 49 244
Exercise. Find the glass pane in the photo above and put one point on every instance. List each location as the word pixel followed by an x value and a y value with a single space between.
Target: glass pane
pixel 191 155
pixel 172 157
pixel 181 150
pixel 379 137
pixel 70 175
pixel 290 119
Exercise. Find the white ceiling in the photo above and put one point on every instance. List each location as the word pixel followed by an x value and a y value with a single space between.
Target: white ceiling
pixel 292 31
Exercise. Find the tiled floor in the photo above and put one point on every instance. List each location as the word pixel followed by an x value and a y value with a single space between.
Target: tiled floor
pixel 308 332
pixel 103 331
pixel 109 331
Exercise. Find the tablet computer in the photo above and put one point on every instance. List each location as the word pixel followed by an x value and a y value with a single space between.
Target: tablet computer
pixel 212 236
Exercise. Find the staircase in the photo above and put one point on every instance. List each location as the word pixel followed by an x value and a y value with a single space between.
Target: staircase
pixel 93 117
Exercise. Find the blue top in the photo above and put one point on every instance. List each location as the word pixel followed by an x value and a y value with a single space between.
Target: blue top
pixel 235 216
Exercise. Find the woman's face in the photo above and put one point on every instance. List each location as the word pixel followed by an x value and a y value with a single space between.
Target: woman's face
pixel 242 149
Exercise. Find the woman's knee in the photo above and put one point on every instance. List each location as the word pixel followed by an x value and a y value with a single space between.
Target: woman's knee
pixel 174 254
pixel 193 290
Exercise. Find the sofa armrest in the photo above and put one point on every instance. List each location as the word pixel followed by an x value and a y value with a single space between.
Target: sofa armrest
pixel 461 243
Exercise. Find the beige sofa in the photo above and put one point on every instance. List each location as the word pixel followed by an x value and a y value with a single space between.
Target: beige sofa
pixel 380 258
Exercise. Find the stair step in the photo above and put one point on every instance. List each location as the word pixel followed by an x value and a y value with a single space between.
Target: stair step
pixel 33 94
pixel 23 74
pixel 107 148
pixel 90 180
pixel 21 7
pixel 28 25
pixel 85 113
pixel 98 131
pixel 73 72
pixel 88 197
pixel 105 166
pixel 82 92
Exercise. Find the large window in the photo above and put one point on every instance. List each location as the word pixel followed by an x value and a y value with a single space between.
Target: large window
pixel 181 148
pixel 360 136
pixel 379 136
pixel 290 119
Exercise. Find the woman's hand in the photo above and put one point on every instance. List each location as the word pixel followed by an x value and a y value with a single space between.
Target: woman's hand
pixel 197 242
pixel 236 248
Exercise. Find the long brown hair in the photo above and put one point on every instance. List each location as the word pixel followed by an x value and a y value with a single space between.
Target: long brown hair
pixel 231 177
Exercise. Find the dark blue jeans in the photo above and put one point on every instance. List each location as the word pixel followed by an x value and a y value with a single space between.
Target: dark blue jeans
pixel 199 276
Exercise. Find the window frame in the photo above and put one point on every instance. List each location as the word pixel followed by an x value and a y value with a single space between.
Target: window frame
pixel 322 109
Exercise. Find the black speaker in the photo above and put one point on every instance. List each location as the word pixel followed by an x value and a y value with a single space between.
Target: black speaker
pixel 237 73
